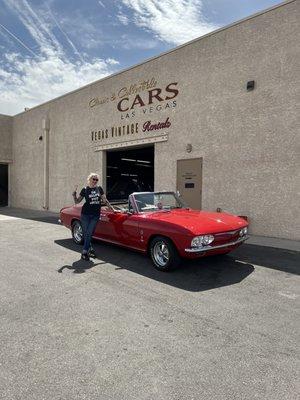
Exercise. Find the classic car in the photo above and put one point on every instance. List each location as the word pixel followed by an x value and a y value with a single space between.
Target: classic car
pixel 160 225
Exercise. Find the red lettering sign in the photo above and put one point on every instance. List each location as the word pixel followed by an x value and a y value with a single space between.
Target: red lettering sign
pixel 148 126
pixel 151 96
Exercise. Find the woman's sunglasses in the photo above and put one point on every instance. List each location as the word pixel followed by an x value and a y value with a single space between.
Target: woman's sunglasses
pixel 95 179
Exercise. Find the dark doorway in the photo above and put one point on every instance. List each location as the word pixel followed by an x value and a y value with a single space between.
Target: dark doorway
pixel 129 171
pixel 3 185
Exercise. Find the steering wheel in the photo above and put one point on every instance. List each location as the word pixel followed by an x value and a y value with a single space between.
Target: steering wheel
pixel 140 204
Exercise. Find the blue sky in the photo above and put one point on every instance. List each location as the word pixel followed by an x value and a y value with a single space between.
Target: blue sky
pixel 51 47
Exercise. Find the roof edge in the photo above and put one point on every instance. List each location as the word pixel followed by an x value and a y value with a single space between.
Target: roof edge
pixel 11 116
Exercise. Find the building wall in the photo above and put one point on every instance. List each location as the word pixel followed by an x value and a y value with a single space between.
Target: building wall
pixel 248 140
pixel 5 138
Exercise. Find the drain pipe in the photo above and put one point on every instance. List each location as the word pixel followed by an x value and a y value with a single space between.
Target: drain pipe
pixel 46 128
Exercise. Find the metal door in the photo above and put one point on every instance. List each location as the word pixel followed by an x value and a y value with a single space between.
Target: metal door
pixel 189 181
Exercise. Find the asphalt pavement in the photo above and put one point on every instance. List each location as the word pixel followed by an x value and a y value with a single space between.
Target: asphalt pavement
pixel 115 328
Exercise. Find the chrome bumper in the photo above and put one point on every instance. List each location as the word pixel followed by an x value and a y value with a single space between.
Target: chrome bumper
pixel 208 248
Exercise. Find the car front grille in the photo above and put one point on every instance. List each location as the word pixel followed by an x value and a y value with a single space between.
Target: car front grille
pixel 226 237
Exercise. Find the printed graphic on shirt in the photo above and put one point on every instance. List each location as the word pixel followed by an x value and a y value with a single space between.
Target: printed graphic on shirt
pixel 94 197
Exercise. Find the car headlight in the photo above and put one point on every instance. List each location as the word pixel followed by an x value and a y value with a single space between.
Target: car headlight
pixel 204 240
pixel 244 231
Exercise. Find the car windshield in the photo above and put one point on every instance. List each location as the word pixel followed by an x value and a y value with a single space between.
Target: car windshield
pixel 157 201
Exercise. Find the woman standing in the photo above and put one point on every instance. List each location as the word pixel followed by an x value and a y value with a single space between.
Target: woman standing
pixel 90 212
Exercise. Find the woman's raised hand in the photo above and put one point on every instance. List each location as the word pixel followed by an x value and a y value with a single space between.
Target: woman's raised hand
pixel 75 190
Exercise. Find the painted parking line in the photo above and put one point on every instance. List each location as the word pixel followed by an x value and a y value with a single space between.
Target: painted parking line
pixel 291 296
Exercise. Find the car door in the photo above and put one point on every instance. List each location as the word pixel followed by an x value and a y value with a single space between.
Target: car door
pixel 122 228
pixel 119 227
pixel 102 230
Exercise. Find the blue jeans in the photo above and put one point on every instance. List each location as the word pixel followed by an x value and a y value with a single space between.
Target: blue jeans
pixel 89 223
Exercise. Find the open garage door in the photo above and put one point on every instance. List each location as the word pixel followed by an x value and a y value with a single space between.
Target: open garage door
pixel 129 171
pixel 3 185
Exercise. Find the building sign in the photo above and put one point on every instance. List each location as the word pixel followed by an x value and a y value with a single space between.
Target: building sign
pixel 148 97
pixel 156 95
pixel 143 98
pixel 124 92
pixel 148 126
pixel 130 130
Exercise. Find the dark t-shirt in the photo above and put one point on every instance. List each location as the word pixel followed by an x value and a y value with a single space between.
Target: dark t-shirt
pixel 92 205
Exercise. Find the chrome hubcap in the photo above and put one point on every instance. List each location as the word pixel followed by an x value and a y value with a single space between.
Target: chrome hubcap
pixel 161 253
pixel 77 232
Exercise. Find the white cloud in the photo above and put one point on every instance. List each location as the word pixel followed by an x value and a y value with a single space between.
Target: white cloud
pixel 111 61
pixel 123 18
pixel 172 21
pixel 128 43
pixel 34 81
pixel 27 81
pixel 37 25
pixel 88 33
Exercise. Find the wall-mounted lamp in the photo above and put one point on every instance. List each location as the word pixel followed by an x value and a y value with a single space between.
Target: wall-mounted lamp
pixel 250 85
pixel 189 148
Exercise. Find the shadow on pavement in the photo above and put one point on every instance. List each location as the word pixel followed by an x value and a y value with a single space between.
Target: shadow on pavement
pixel 80 266
pixel 34 215
pixel 269 257
pixel 197 275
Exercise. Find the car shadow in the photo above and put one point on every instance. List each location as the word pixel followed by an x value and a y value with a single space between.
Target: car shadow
pixel 193 275
pixel 270 257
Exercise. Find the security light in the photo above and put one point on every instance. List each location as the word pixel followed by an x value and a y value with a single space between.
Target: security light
pixel 250 85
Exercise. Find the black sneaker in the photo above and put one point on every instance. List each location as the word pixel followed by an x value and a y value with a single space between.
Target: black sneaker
pixel 92 253
pixel 85 256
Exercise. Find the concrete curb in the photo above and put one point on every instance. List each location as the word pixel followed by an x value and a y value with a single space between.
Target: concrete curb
pixel 278 243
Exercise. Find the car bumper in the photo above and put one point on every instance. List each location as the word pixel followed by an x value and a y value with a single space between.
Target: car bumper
pixel 203 249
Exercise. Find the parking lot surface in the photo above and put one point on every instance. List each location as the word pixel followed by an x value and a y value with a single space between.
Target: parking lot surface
pixel 115 328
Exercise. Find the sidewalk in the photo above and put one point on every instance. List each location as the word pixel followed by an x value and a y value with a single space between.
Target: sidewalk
pixel 51 217
pixel 293 245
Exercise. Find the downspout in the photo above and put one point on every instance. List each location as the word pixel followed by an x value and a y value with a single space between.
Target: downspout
pixel 46 128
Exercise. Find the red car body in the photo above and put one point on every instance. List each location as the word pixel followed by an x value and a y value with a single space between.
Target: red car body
pixel 136 230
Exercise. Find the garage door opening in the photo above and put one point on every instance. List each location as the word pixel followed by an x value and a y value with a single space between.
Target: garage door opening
pixel 3 185
pixel 129 171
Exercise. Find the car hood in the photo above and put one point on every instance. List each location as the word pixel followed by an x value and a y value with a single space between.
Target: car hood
pixel 199 222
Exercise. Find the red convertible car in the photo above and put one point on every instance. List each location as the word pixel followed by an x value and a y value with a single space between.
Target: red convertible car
pixel 159 224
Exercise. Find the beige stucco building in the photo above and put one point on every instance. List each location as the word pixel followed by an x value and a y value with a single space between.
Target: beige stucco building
pixel 241 145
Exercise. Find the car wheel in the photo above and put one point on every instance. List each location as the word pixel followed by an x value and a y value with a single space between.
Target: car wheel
pixel 77 232
pixel 164 254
